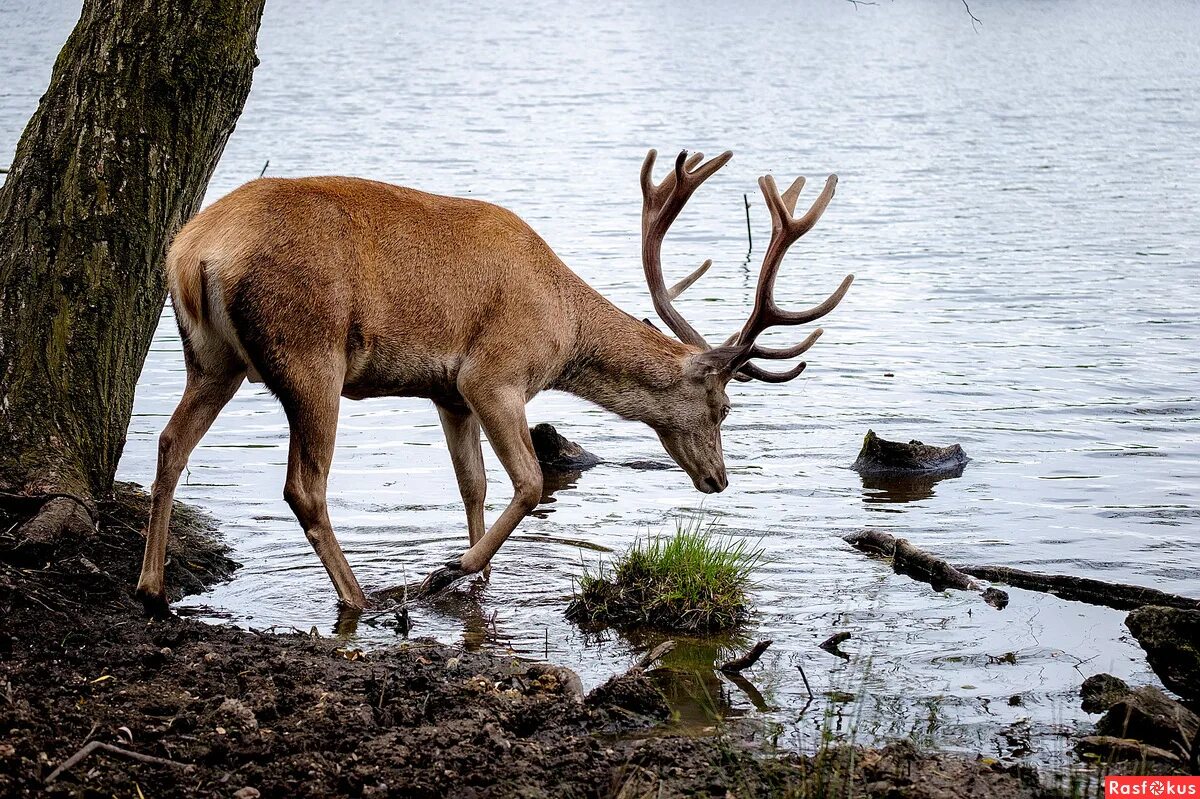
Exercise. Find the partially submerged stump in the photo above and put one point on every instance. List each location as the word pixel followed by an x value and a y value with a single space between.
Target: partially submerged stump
pixel 1171 638
pixel 558 453
pixel 879 456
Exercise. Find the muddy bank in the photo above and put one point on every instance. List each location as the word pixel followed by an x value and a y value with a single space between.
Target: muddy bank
pixel 189 709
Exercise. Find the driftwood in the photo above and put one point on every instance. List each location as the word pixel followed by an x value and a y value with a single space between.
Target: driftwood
pixel 1083 589
pixel 747 660
pixel 908 559
pixel 920 565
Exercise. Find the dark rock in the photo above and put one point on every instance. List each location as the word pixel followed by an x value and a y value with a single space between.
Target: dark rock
pixel 1102 691
pixel 880 456
pixel 1148 715
pixel 557 453
pixel 1171 638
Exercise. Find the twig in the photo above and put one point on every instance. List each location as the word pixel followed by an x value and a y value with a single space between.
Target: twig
pixel 804 677
pixel 858 3
pixel 264 169
pixel 94 746
pixel 974 19
pixel 747 660
pixel 749 235
pixel 654 654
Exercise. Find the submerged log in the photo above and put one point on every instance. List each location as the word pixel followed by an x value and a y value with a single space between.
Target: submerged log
pixel 1082 589
pixel 921 565
pixel 881 456
pixel 1171 638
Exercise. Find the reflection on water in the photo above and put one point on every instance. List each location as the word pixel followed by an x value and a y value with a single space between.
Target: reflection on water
pixel 895 487
pixel 1019 207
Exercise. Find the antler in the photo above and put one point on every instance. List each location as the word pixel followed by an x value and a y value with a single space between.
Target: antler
pixel 785 230
pixel 660 205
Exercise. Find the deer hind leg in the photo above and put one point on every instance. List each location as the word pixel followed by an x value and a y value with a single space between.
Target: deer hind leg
pixel 462 438
pixel 502 415
pixel 312 411
pixel 206 393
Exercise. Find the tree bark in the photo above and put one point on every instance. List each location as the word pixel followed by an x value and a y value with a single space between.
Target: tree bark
pixel 117 157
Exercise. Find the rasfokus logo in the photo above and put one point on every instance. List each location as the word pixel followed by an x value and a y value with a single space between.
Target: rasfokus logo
pixel 1151 786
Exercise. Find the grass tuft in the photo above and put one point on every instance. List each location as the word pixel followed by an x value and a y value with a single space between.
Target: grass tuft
pixel 694 581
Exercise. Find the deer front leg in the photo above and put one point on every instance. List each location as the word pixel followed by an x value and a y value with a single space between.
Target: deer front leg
pixel 502 416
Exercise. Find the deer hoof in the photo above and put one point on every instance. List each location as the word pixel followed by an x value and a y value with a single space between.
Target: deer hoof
pixel 155 605
pixel 443 578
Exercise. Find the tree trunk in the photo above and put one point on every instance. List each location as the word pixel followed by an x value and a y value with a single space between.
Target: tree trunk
pixel 141 102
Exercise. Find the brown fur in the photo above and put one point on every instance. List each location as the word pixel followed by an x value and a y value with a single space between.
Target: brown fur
pixel 335 287
pixel 389 291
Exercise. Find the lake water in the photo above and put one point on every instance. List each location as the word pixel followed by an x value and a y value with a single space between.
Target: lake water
pixel 1019 204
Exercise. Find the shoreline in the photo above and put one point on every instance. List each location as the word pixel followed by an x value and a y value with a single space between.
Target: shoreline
pixel 182 707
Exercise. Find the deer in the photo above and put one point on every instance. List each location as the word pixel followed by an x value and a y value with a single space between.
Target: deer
pixel 326 288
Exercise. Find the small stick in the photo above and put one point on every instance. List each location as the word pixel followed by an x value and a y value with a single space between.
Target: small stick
pixel 654 654
pixel 747 660
pixel 749 235
pixel 264 169
pixel 804 677
pixel 94 746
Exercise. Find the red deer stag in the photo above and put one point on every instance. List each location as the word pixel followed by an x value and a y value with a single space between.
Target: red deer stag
pixel 333 287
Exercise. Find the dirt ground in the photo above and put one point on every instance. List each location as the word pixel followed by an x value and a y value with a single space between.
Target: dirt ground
pixel 234 713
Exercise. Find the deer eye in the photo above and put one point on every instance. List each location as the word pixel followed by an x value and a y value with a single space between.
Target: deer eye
pixel 724 412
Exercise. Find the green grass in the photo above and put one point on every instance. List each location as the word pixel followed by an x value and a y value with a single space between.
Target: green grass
pixel 694 581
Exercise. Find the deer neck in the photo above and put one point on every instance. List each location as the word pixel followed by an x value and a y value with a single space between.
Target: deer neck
pixel 623 364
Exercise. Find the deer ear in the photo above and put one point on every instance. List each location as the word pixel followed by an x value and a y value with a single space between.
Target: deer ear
pixel 718 360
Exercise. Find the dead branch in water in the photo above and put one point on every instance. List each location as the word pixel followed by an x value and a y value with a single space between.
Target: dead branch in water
pixel 747 660
pixel 1083 589
pixel 654 654
pixel 908 559
pixel 921 565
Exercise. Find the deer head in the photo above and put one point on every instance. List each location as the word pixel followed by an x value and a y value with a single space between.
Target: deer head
pixel 697 405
